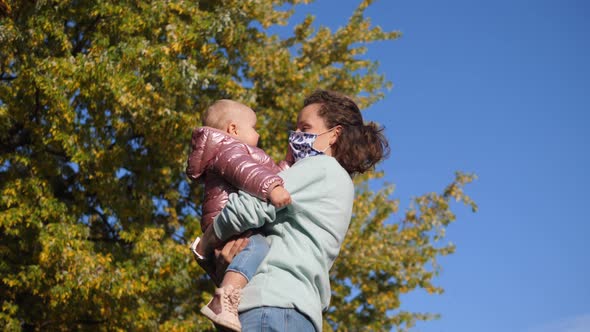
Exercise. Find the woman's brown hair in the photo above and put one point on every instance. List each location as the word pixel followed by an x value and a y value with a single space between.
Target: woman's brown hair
pixel 359 146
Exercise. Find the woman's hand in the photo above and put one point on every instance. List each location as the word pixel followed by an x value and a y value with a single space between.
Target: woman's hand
pixel 224 256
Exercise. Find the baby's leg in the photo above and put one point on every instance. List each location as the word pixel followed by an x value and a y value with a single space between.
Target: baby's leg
pixel 223 308
pixel 243 267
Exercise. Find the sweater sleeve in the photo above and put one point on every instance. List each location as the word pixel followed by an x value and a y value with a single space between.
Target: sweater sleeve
pixel 243 211
pixel 238 167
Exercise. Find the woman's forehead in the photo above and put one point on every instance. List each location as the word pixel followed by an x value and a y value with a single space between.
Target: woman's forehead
pixel 309 114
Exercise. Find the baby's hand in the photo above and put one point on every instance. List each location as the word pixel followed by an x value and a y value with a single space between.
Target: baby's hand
pixel 280 197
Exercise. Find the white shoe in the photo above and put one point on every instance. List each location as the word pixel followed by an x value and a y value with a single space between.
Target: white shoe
pixel 228 317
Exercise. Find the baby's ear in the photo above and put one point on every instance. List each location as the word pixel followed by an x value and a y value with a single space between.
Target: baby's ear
pixel 231 128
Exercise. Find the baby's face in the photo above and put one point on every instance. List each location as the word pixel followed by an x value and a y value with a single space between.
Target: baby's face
pixel 246 128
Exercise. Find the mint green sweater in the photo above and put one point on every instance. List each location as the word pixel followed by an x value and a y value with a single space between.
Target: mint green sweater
pixel 305 237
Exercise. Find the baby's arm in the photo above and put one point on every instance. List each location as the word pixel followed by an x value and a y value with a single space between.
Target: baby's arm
pixel 237 166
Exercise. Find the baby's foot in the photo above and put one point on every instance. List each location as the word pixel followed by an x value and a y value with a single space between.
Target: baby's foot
pixel 223 308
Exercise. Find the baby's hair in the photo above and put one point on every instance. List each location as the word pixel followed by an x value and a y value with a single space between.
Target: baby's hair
pixel 359 146
pixel 220 113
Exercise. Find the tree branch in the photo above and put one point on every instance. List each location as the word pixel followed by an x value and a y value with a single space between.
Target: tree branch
pixel 17 136
pixel 106 240
pixel 105 221
pixel 81 42
pixel 7 78
pixel 60 154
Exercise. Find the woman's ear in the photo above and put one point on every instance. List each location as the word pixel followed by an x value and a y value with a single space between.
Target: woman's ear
pixel 335 134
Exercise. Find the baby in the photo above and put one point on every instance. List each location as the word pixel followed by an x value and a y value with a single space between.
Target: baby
pixel 225 158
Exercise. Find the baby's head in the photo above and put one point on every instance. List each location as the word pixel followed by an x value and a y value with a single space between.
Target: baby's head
pixel 236 119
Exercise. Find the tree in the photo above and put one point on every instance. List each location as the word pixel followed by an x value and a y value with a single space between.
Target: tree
pixel 97 103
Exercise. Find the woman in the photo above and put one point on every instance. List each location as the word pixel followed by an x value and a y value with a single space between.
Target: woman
pixel 291 287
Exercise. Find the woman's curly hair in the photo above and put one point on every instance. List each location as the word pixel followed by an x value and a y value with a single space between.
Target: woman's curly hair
pixel 359 146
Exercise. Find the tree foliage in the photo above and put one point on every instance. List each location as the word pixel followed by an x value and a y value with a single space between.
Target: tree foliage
pixel 97 103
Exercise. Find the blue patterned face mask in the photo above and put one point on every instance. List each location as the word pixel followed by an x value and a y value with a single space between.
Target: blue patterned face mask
pixel 302 144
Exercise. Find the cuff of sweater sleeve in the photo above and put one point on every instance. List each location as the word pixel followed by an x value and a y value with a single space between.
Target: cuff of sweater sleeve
pixel 222 233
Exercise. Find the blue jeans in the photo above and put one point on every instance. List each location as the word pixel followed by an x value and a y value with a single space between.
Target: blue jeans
pixel 247 261
pixel 274 319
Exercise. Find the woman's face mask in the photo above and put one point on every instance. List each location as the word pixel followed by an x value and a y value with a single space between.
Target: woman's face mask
pixel 302 144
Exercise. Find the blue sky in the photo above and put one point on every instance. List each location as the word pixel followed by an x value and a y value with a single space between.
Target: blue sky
pixel 499 88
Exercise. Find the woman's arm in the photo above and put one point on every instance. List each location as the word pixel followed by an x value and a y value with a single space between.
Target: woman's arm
pixel 242 212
